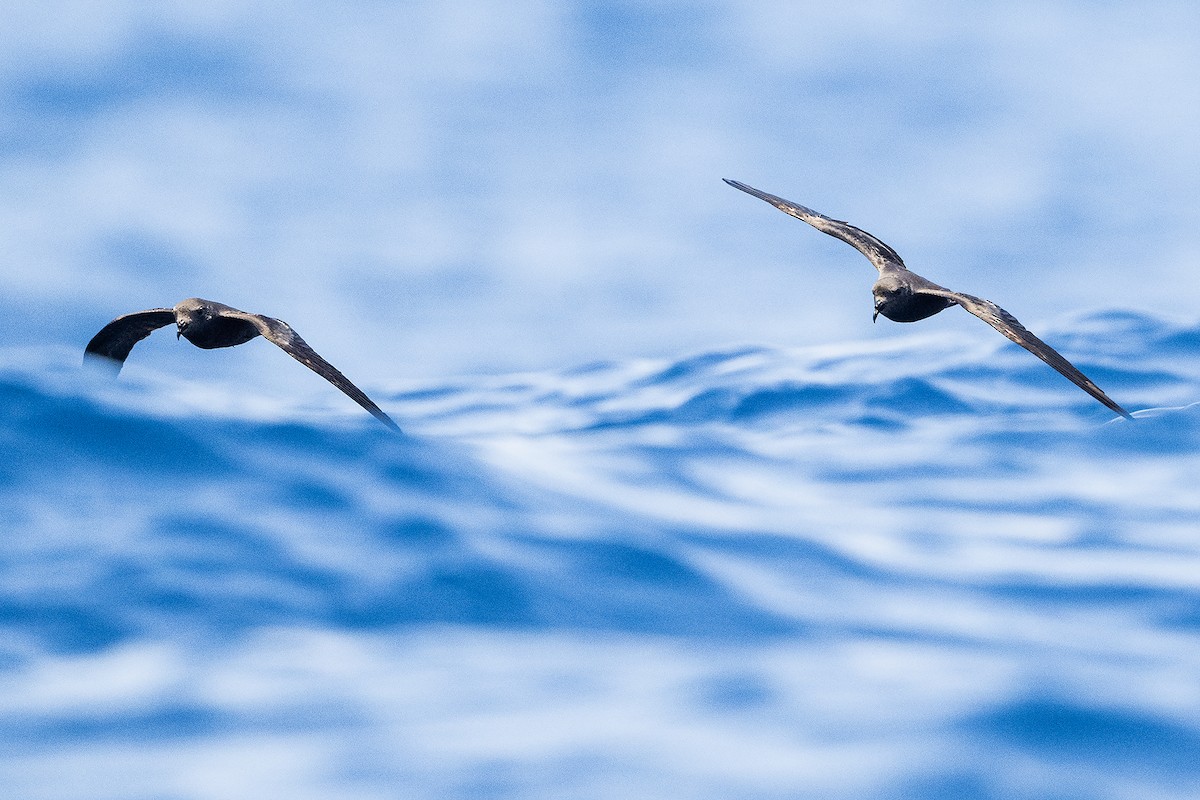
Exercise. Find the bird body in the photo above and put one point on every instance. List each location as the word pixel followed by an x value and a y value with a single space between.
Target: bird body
pixel 898 296
pixel 904 296
pixel 209 325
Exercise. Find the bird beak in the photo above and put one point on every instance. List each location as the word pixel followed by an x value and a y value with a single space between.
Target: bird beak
pixel 875 316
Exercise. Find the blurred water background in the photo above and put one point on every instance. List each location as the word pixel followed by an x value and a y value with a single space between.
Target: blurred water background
pixel 670 517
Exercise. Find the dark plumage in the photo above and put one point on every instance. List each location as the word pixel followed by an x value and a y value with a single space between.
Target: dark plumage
pixel 209 325
pixel 904 296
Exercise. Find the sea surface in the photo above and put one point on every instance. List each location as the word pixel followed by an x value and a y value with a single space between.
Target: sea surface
pixel 913 567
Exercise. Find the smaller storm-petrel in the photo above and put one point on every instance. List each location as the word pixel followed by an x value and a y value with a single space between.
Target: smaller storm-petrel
pixel 210 325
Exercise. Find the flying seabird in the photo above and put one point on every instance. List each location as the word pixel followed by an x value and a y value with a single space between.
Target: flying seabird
pixel 904 296
pixel 209 325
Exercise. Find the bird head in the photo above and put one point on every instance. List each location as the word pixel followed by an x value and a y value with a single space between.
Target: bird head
pixel 885 292
pixel 182 323
pixel 188 313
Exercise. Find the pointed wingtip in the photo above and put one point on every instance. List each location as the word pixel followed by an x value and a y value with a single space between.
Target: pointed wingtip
pixel 759 193
pixel 785 206
pixel 1111 404
pixel 379 414
pixel 386 420
pixel 103 361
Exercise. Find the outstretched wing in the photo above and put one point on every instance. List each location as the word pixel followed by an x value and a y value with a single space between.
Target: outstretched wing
pixel 880 254
pixel 117 338
pixel 1007 324
pixel 279 332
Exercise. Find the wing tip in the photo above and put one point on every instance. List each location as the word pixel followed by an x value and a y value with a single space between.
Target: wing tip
pixel 388 421
pixel 748 189
pixel 103 359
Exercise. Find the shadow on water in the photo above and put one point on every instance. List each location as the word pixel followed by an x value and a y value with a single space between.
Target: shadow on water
pixel 917 397
pixel 621 585
pixel 52 433
pixel 215 526
pixel 161 724
pixel 1058 730
pixel 884 405
pixel 64 624
pixel 593 585
pixel 1089 749
pixel 696 367
pixel 1153 432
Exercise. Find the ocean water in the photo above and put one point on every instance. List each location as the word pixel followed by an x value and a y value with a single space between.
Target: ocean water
pixel 903 568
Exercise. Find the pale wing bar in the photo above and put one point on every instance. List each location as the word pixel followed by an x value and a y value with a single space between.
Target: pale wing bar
pixel 878 253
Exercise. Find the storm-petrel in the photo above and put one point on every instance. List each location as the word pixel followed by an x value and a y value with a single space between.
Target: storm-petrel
pixel 210 325
pixel 904 296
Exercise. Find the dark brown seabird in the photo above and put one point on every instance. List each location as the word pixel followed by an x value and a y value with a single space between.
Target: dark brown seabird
pixel 904 296
pixel 209 325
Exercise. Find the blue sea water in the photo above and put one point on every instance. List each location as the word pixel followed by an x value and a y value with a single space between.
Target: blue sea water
pixel 912 568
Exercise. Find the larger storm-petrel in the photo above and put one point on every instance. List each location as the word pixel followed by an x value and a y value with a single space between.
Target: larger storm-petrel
pixel 210 325
pixel 904 296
